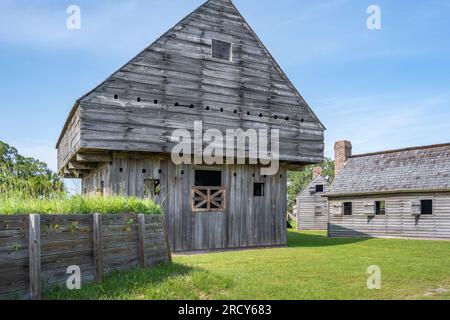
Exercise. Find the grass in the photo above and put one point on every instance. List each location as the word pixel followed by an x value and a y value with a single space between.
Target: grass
pixel 76 205
pixel 312 267
pixel 167 281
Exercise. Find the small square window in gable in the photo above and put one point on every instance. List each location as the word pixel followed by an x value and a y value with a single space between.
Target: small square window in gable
pixel 221 50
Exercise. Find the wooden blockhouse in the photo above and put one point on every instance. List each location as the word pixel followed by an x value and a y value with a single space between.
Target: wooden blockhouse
pixel 209 67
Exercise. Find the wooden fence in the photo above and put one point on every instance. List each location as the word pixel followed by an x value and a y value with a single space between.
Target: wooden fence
pixel 35 250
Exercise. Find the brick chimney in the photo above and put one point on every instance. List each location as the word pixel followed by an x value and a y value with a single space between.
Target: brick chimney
pixel 317 171
pixel 342 151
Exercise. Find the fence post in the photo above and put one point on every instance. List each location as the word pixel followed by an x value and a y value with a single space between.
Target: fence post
pixel 35 256
pixel 98 255
pixel 166 235
pixel 141 239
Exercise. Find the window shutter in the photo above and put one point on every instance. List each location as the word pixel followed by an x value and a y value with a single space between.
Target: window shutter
pixel 415 208
pixel 338 209
pixel 319 210
pixel 369 208
pixel 312 189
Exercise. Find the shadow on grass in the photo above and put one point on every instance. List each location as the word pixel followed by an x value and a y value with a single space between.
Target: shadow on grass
pixel 169 281
pixel 297 239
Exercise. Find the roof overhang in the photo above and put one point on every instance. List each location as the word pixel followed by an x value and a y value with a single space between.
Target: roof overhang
pixel 388 192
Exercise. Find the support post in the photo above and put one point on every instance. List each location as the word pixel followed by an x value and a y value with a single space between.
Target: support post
pixel 166 234
pixel 35 256
pixel 98 255
pixel 141 240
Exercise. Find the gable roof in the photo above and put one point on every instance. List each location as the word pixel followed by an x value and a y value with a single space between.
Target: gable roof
pixel 417 169
pixel 319 176
pixel 225 7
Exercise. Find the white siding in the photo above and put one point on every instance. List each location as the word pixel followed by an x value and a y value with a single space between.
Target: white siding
pixel 398 222
pixel 308 204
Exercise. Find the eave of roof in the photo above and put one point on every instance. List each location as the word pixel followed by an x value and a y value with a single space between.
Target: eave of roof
pixel 312 181
pixel 400 150
pixel 389 192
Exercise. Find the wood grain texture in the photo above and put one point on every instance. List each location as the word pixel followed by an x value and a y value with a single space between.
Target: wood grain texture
pixel 312 207
pixel 34 255
pixel 398 222
pixel 246 221
pixel 175 81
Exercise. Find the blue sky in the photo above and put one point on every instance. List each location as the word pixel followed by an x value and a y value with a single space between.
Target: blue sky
pixel 380 89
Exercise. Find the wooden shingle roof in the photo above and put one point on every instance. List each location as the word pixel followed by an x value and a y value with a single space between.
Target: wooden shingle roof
pixel 407 170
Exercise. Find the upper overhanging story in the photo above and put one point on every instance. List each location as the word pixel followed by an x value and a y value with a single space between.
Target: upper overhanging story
pixel 411 170
pixel 210 67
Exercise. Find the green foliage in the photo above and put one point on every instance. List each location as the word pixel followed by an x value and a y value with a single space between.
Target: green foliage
pixel 77 205
pixel 300 180
pixel 26 177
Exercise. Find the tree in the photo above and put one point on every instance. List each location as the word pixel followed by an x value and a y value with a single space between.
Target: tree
pixel 297 181
pixel 24 176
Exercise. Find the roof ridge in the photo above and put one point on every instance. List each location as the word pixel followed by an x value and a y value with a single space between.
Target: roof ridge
pixel 401 150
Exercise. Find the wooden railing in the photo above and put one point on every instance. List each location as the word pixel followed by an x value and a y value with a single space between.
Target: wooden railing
pixel 208 199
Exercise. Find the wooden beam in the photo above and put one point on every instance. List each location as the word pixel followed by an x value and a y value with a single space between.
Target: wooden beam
pixel 75 173
pixel 169 251
pixel 94 157
pixel 82 166
pixel 141 239
pixel 98 252
pixel 35 256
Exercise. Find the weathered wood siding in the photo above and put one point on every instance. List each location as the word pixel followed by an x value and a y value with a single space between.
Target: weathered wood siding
pixel 249 92
pixel 312 207
pixel 248 221
pixel 68 240
pixel 69 144
pixel 14 256
pixel 398 222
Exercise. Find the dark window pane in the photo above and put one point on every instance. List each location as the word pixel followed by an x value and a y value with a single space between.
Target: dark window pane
pixel 319 188
pixel 204 178
pixel 221 50
pixel 426 207
pixel 258 190
pixel 380 208
pixel 348 208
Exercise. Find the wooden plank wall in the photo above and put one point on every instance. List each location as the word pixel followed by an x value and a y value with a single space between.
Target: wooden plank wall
pixel 70 141
pixel 249 92
pixel 14 257
pixel 307 219
pixel 67 240
pixel 398 222
pixel 248 221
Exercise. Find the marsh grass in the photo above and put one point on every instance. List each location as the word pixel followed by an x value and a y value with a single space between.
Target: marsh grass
pixel 77 205
pixel 14 184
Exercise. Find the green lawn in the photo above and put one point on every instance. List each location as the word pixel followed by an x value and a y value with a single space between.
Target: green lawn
pixel 313 267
